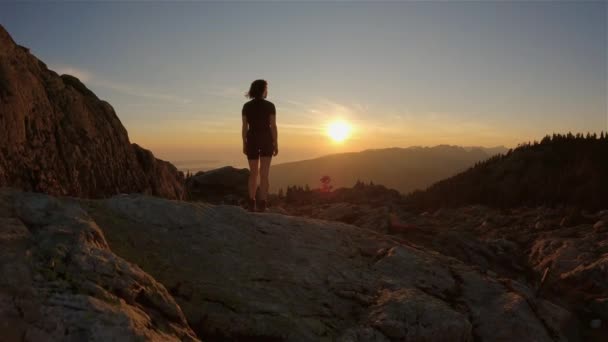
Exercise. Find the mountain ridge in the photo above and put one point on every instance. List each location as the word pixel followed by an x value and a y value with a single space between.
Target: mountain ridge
pixel 402 169
pixel 500 148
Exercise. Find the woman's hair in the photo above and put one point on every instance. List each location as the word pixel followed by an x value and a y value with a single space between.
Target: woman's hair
pixel 257 89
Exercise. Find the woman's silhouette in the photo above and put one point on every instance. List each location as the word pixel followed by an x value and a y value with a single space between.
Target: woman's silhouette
pixel 259 140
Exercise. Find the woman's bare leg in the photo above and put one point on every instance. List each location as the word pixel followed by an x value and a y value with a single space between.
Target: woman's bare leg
pixel 264 173
pixel 253 176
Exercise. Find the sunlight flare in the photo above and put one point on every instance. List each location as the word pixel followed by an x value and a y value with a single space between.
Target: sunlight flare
pixel 338 131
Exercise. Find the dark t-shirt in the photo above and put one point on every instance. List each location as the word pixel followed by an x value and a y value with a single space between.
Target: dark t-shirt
pixel 258 112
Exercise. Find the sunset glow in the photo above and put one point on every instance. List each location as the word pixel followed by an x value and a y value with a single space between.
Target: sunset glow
pixel 365 75
pixel 338 131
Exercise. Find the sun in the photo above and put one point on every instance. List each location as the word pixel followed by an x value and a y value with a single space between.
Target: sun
pixel 338 131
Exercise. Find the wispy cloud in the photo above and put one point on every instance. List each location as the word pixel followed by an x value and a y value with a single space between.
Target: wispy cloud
pixel 139 92
pixel 350 111
pixel 293 103
pixel 224 91
pixel 300 128
pixel 93 79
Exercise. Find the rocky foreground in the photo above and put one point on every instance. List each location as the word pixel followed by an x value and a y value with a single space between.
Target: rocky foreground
pixel 134 267
pixel 61 282
pixel 561 253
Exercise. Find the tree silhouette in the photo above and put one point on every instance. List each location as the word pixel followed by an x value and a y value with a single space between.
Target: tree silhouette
pixel 562 170
pixel 325 184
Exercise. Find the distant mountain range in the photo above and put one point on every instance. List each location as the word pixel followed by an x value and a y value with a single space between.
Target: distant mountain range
pixel 403 169
pixel 566 169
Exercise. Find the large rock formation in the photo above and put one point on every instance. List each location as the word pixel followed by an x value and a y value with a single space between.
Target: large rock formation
pixel 566 247
pixel 252 276
pixel 463 275
pixel 61 282
pixel 57 137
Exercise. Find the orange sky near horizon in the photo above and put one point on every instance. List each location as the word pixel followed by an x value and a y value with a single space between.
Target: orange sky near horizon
pixel 199 141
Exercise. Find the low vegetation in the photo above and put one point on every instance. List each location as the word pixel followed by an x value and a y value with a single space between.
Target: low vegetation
pixel 360 193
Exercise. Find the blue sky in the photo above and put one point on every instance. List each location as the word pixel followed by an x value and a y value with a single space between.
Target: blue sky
pixel 401 73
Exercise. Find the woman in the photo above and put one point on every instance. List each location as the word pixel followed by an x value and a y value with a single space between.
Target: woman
pixel 259 140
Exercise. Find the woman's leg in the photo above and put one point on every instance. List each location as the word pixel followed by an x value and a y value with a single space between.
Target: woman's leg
pixel 264 172
pixel 253 176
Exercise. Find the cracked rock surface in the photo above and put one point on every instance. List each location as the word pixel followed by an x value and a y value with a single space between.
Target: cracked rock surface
pixel 61 282
pixel 263 276
pixel 567 245
pixel 135 267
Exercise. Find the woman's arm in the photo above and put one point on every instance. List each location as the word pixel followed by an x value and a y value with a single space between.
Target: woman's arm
pixel 244 134
pixel 273 129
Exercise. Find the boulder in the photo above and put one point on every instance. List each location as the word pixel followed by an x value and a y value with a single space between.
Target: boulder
pixel 63 283
pixel 226 185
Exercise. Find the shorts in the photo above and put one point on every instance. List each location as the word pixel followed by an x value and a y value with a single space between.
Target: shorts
pixel 259 146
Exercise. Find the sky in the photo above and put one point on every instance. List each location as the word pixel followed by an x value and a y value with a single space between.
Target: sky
pixel 400 74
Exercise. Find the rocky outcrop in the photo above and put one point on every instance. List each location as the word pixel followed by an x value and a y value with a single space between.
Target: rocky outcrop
pixel 260 276
pixel 361 215
pixel 161 177
pixel 560 253
pixel 227 185
pixel 61 282
pixel 57 137
pixel 469 274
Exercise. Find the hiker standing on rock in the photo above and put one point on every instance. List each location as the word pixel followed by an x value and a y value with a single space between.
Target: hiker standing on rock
pixel 259 141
